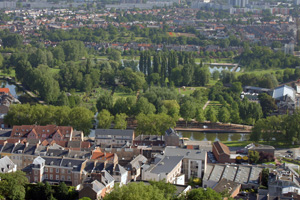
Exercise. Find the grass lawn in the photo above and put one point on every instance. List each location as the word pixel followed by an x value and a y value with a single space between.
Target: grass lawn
pixel 187 90
pixel 236 143
pixel 272 143
pixel 11 74
pixel 118 95
pixel 216 105
pixel 259 72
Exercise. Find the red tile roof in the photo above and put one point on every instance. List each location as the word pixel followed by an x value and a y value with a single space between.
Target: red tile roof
pixel 4 90
pixel 221 148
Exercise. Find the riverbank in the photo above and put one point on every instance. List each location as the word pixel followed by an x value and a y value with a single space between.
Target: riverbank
pixel 19 85
pixel 212 130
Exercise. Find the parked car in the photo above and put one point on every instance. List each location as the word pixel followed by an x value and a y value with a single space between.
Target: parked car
pixel 289 151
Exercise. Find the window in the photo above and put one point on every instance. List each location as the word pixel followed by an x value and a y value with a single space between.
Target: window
pixel 69 171
pixel 35 179
pixel 35 172
pixel 57 177
pixel 46 169
pixel 46 176
pixel 57 170
pixel 62 171
pixel 62 177
pixel 76 176
pixel 51 177
pixel 51 169
pixel 69 178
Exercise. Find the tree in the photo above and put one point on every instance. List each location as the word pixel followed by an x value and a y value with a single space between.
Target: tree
pixel 12 40
pixel 120 121
pixel 115 55
pixel 104 117
pixel 211 115
pixel 81 119
pixel 254 156
pixel 168 189
pixel 201 193
pixel 265 177
pixel 187 111
pixel 105 101
pixel 144 106
pixel 200 115
pixel 224 115
pixel 267 103
pixel 62 191
pixel 137 191
pixel 12 185
pixel 154 124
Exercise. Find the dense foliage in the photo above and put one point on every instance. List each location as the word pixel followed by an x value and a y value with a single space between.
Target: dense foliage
pixel 79 118
pixel 283 128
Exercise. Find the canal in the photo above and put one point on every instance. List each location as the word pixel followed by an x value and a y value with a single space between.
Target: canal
pixel 16 92
pixel 201 136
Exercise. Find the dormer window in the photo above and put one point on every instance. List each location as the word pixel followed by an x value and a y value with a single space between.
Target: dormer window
pixel 43 130
pixel 48 131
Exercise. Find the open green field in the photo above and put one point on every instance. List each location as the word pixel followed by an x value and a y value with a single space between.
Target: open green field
pixel 187 90
pixel 272 143
pixel 11 74
pixel 259 72
pixel 216 105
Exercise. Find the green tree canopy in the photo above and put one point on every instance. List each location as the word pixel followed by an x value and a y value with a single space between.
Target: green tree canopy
pixel 137 191
pixel 105 119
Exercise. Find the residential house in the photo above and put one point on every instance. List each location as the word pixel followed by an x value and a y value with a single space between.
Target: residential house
pixel 49 132
pixel 97 188
pixel 222 153
pixel 135 166
pixel 167 168
pixel 7 166
pixel 285 98
pixel 149 140
pixel 247 175
pixel 171 137
pixel 55 170
pixel 114 137
pixel 193 163
pixel 231 187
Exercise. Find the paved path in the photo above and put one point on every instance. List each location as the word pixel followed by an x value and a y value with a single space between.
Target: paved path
pixel 206 104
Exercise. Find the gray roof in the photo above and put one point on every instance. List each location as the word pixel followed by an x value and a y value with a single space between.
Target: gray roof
pixel 106 178
pixel 57 152
pixel 79 154
pixel 19 147
pixel 75 163
pixel 226 185
pixel 52 161
pixel 5 133
pixel 170 132
pixel 137 162
pixel 115 132
pixel 97 186
pixel 74 144
pixel 8 148
pixel 6 164
pixel 89 166
pixel 120 169
pixel 167 164
pixel 30 149
pixel 186 153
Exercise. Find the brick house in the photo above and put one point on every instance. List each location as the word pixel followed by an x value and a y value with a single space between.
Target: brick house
pixel 221 152
pixel 49 132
